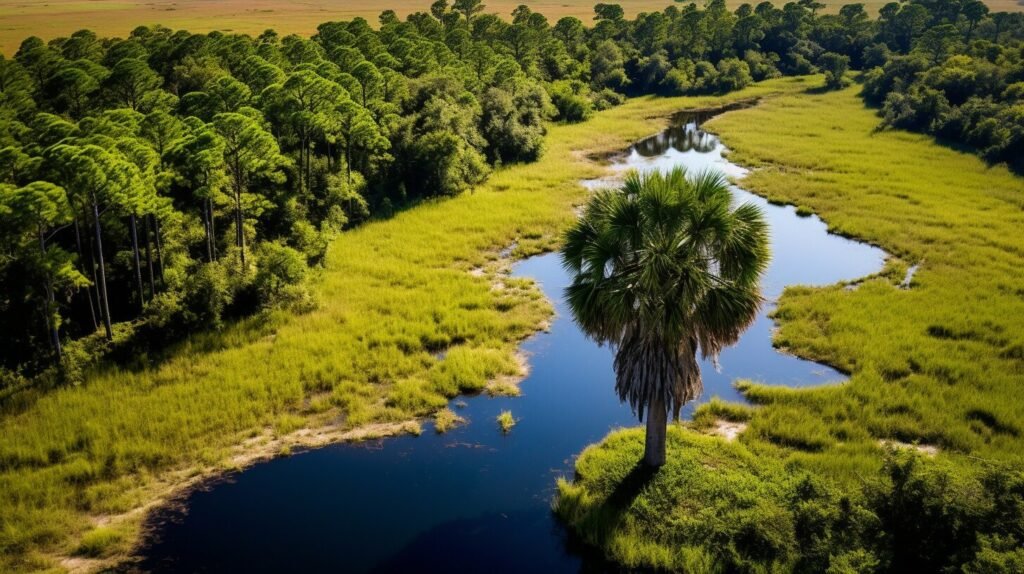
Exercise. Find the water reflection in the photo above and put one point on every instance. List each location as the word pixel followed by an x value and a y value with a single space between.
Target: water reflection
pixel 682 138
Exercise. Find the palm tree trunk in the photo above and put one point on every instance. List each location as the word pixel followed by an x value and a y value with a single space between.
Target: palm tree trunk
pixel 657 428
pixel 104 302
pixel 138 262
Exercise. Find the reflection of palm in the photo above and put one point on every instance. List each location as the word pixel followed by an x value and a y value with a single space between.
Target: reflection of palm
pixel 682 138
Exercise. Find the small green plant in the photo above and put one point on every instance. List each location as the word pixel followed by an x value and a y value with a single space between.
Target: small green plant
pixel 506 421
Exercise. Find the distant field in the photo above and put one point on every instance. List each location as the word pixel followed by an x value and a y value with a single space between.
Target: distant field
pixel 51 18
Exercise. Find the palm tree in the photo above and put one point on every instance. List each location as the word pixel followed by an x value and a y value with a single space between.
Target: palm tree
pixel 663 268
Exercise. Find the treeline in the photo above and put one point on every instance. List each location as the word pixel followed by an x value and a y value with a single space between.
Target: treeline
pixel 959 76
pixel 164 183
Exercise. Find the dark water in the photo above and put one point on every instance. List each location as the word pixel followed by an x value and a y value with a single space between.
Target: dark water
pixel 473 499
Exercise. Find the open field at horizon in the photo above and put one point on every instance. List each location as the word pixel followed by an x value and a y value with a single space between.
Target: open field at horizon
pixel 49 19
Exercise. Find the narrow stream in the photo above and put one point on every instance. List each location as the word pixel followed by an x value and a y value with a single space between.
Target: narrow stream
pixel 473 499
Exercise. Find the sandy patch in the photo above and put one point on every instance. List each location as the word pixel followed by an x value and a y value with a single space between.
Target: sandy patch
pixel 925 449
pixel 728 430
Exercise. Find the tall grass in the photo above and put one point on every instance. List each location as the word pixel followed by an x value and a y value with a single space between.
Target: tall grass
pixel 939 363
pixel 394 294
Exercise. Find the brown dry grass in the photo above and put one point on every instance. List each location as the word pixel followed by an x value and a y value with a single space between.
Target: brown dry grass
pixel 52 18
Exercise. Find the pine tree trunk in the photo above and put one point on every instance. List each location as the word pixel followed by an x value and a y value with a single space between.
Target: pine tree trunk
pixel 149 256
pixel 239 233
pixel 81 261
pixel 159 249
pixel 104 302
pixel 94 290
pixel 213 229
pixel 207 224
pixel 657 428
pixel 51 325
pixel 299 171
pixel 348 161
pixel 138 263
pixel 309 171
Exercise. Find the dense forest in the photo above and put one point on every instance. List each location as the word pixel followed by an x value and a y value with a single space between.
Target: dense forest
pixel 165 183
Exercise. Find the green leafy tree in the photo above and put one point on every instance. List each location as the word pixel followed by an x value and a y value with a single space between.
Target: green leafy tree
pixel 834 66
pixel 662 269
pixel 129 80
pixel 250 154
pixel 468 8
pixel 197 160
pixel 39 210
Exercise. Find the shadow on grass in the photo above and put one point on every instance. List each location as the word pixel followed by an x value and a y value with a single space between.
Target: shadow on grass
pixel 632 484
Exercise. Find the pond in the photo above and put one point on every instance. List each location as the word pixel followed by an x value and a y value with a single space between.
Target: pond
pixel 474 499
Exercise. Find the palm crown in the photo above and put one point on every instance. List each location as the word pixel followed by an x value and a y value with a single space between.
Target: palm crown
pixel 663 268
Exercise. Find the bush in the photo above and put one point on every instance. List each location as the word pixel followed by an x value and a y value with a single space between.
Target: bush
pixel 279 267
pixel 834 67
pixel 207 294
pixel 570 101
pixel 733 74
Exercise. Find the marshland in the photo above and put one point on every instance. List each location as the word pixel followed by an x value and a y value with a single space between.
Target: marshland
pixel 359 293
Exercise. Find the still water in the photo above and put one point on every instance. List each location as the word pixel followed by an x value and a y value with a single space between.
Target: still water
pixel 474 499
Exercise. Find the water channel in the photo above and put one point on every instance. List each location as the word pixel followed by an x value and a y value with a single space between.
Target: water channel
pixel 473 499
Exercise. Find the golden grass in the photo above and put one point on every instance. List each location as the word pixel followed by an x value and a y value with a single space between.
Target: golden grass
pixel 394 294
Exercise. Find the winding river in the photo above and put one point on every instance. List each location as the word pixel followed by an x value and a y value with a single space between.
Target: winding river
pixel 474 499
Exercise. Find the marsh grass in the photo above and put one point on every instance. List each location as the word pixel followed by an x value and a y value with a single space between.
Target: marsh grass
pixel 936 364
pixel 393 296
pixel 506 421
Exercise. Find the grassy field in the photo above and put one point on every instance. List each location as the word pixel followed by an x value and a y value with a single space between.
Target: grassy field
pixel 22 18
pixel 938 365
pixel 79 467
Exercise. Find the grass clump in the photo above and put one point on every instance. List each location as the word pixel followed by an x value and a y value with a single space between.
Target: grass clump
pixel 445 420
pixel 99 542
pixel 506 422
pixel 504 389
pixel 716 409
pixel 413 427
pixel 718 507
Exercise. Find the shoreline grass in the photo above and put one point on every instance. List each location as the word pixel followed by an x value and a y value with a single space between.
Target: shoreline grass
pixel 935 366
pixel 393 295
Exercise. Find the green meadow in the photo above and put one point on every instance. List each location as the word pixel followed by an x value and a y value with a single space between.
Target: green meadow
pixel 81 466
pixel 936 367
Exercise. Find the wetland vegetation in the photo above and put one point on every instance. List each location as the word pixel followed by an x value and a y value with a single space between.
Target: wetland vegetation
pixel 218 247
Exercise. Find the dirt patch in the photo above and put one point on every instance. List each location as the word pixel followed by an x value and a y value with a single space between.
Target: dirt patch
pixel 728 430
pixel 925 449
